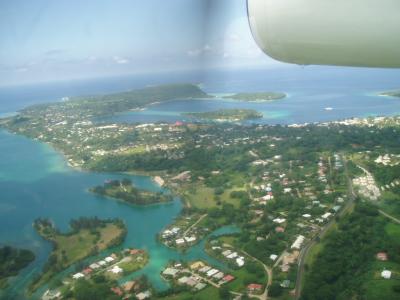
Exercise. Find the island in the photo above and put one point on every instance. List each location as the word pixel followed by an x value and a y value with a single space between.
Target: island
pixel 291 192
pixel 226 115
pixel 124 190
pixel 12 261
pixel 391 94
pixel 257 97
pixel 88 237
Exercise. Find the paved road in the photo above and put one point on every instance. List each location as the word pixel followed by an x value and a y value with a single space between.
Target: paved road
pixel 268 270
pixel 394 219
pixel 305 251
pixel 194 224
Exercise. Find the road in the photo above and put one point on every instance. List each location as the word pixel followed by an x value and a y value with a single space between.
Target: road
pixel 305 250
pixel 394 219
pixel 268 270
pixel 194 224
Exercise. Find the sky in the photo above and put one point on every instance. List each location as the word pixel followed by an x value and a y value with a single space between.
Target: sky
pixel 45 40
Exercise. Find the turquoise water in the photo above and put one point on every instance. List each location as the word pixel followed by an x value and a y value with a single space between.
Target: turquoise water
pixel 36 182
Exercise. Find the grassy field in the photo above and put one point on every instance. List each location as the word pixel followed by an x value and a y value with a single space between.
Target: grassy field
pixel 203 197
pixel 79 245
pixel 209 293
pixel 71 248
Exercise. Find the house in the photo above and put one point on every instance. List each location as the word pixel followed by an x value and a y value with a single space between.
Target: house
pixel 212 272
pixel 273 257
pixel 279 220
pixel 183 280
pixel 285 284
pixel 326 215
pixel 87 271
pixel 254 287
pixel 298 242
pixel 240 261
pixel 77 276
pixel 197 265
pixel 205 269
pixel 109 259
pixel 170 272
pixel 101 263
pixel 219 275
pixel 129 286
pixel 179 241
pixel 143 295
pixel 116 270
pixel 190 239
pixel 117 291
pixel 232 255
pixel 228 278
pixel 200 286
pixel 382 256
pixel 226 253
pixel 134 251
pixel 94 266
pixel 386 274
pixel 191 282
pixel 279 229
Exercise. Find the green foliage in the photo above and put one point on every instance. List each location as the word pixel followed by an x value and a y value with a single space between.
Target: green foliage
pixel 338 270
pixel 12 260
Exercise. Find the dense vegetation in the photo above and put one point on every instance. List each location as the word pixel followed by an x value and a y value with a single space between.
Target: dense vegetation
pixel 339 271
pixel 109 104
pixel 257 97
pixel 125 191
pixel 226 115
pixel 12 260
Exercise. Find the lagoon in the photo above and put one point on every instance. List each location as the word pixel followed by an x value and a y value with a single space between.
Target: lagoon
pixel 36 182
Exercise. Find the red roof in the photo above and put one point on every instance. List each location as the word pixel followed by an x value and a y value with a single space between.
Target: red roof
pixel 382 256
pixel 117 291
pixel 87 271
pixel 254 286
pixel 134 251
pixel 228 278
pixel 280 229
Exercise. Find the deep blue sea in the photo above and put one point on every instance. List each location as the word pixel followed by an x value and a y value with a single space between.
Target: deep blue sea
pixel 36 182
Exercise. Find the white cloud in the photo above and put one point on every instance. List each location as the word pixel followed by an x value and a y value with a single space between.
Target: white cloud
pixel 200 51
pixel 120 60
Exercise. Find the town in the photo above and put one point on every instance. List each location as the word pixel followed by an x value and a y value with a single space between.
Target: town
pixel 288 191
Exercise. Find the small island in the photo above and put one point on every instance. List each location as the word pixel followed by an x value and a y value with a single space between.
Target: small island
pixel 391 94
pixel 226 115
pixel 125 191
pixel 257 97
pixel 87 237
pixel 12 261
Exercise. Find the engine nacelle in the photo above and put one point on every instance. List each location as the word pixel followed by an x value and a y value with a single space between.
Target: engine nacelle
pixel 362 33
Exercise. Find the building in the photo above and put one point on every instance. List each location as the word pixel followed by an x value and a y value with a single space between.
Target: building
pixel 386 274
pixel 298 242
pixel 254 287
pixel 382 256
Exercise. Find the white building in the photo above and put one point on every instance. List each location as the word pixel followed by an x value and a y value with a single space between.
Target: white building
pixel 298 242
pixel 386 274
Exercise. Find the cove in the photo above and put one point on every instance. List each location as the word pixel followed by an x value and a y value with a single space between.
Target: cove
pixel 35 181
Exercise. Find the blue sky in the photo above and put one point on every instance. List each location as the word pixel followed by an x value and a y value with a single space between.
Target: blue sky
pixel 45 40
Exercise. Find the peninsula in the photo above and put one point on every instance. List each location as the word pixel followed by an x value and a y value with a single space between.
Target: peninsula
pixel 226 115
pixel 87 237
pixel 124 190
